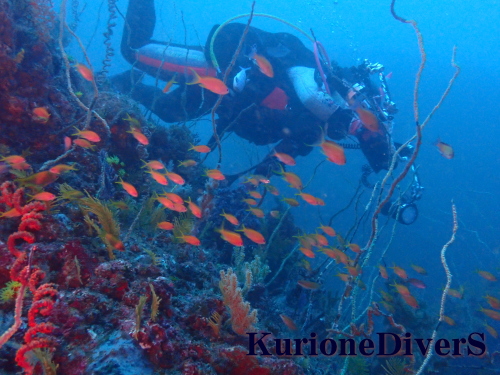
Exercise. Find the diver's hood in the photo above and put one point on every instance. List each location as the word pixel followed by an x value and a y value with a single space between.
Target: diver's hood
pixel 311 95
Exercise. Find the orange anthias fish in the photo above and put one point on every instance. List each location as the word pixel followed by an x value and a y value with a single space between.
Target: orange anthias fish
pixel 44 196
pixel 456 293
pixel 11 213
pixel 307 252
pixel 114 242
pixel 200 148
pixel 320 239
pixel 187 163
pixel 169 84
pixel 250 201
pixel 89 135
pixel 231 218
pixel 67 143
pixel 354 247
pixel 338 255
pixel 139 136
pixel 272 189
pixel 129 188
pixel 492 331
pixel 192 240
pixel 292 202
pixel 400 272
pixel 158 177
pixel 293 180
pixel 174 198
pixel 229 236
pixel 61 168
pixel 83 143
pixel 175 178
pixel 285 158
pixel 309 198
pixel 448 320
pixel 383 271
pixel 210 83
pixel 41 114
pixel 85 72
pixel 491 313
pixel 333 151
pixel 328 230
pixel 215 174
pixel 288 322
pixel 417 283
pixel 195 210
pixel 403 290
pixel 179 208
pixel 343 276
pixel 419 269
pixel 353 271
pixel 153 164
pixel 40 179
pixel 166 202
pixel 253 235
pixel 368 119
pixel 165 225
pixel 308 284
pixel 264 65
pixel 13 159
pixel 410 300
pixel 257 212
pixel 255 194
pixel 494 302
pixel 445 149
pixel 487 275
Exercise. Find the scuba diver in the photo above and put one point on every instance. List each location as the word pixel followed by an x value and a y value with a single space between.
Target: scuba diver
pixel 295 100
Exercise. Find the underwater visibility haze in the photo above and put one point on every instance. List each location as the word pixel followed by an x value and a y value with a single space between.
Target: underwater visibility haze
pixel 249 188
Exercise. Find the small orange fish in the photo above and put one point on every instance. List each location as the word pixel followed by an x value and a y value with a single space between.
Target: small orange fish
pixel 308 284
pixel 400 272
pixel 419 269
pixel 353 271
pixel 89 135
pixel 328 230
pixel 288 322
pixel 129 188
pixel 67 143
pixel 493 302
pixel 250 201
pixel 83 143
pixel 41 178
pixel 169 84
pixel 272 190
pixel 354 248
pixel 311 199
pixel 165 225
pixel 158 177
pixel 13 159
pixel 386 296
pixel 487 275
pixel 215 174
pixel 333 151
pixel 232 237
pixel 445 149
pixel 338 255
pixel 292 202
pixel 20 166
pixel 285 158
pixel 383 271
pixel 417 283
pixel 231 218
pixel 200 148
pixel 153 164
pixel 11 213
pixel 492 331
pixel 307 252
pixel 187 163
pixel 195 210
pixel 210 83
pixel 175 178
pixel 491 313
pixel 85 72
pixel 179 208
pixel 257 212
pixel 368 119
pixel 253 235
pixel 139 136
pixel 192 240
pixel 448 320
pixel 403 290
pixel 41 114
pixel 343 276
pixel 410 300
pixel 44 196
pixel 166 202
pixel 456 293
pixel 114 242
pixel 174 198
pixel 320 239
pixel 293 180
pixel 264 65
pixel 388 307
pixel 61 168
pixel 255 194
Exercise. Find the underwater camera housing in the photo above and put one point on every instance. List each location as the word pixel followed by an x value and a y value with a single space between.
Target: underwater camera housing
pixel 406 213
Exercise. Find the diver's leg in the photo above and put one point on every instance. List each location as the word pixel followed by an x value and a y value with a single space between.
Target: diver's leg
pixel 139 26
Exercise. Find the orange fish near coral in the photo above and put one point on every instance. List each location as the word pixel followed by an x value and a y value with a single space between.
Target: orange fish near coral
pixel 165 225
pixel 257 212
pixel 253 235
pixel 368 119
pixel 308 284
pixel 85 72
pixel 328 230
pixel 83 143
pixel 250 201
pixel 231 218
pixel 410 300
pixel 44 196
pixel 285 158
pixel 293 180
pixel 67 143
pixel 174 198
pixel 187 163
pixel 210 83
pixel 307 252
pixel 192 240
pixel 456 293
pixel 292 202
pixel 215 174
pixel 492 331
pixel 41 114
pixel 417 283
pixel 448 320
pixel 255 194
pixel 175 178
pixel 40 179
pixel 114 242
pixel 354 247
pixel 61 168
pixel 400 272
pixel 487 275
pixel 200 148
pixel 153 164
pixel 288 322
pixel 13 159
pixel 309 198
pixel 445 149
pixel 169 84
pixel 158 177
pixel 195 210
pixel 333 151
pixel 129 188
pixel 491 313
pixel 139 136
pixel 419 269
pixel 494 302
pixel 383 271
pixel 11 213
pixel 264 65
pixel 232 237
pixel 166 202
pixel 89 135
pixel 403 290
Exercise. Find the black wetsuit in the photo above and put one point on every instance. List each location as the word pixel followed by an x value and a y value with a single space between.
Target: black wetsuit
pixel 257 112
